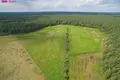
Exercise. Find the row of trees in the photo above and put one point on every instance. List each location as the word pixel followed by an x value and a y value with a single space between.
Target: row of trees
pixel 66 59
pixel 106 23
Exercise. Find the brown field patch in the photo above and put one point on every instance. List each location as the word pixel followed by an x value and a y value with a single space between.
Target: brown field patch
pixel 84 67
pixel 17 64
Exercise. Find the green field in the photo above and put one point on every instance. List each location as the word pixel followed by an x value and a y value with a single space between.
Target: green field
pixel 47 48
pixel 84 40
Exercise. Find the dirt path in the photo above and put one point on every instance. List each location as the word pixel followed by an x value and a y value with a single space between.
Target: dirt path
pixel 16 64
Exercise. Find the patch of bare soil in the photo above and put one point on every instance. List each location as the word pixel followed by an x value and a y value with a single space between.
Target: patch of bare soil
pixel 17 64
pixel 84 66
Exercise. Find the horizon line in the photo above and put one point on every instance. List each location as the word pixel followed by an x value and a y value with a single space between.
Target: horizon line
pixel 60 11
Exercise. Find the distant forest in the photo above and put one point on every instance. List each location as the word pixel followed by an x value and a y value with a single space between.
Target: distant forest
pixel 108 23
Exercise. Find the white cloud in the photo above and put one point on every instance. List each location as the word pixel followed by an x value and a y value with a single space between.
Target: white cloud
pixel 10 7
pixel 59 5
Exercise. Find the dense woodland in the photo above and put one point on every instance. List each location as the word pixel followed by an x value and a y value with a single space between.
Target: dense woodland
pixel 110 24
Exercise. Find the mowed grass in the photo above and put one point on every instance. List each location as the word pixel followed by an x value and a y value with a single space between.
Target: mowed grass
pixel 84 40
pixel 47 47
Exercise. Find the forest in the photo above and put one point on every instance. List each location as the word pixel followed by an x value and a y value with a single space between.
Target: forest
pixel 110 24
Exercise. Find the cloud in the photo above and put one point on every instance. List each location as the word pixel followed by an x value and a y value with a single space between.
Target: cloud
pixel 110 2
pixel 63 5
pixel 12 7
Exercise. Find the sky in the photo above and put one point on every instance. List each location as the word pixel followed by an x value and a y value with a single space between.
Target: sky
pixel 61 5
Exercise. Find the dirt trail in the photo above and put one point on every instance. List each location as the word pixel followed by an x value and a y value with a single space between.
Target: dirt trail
pixel 16 64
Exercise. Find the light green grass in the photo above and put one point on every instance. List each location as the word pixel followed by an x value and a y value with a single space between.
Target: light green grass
pixel 98 71
pixel 47 47
pixel 84 40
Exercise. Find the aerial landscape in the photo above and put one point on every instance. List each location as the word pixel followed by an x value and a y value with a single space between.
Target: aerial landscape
pixel 59 45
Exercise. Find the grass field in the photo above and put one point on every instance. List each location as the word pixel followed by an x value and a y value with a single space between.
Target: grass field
pixel 84 40
pixel 47 48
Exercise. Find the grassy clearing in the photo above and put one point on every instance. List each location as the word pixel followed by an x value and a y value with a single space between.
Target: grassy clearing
pixel 85 54
pixel 84 40
pixel 47 48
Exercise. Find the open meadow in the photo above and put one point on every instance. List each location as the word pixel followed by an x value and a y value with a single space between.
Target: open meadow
pixel 47 48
